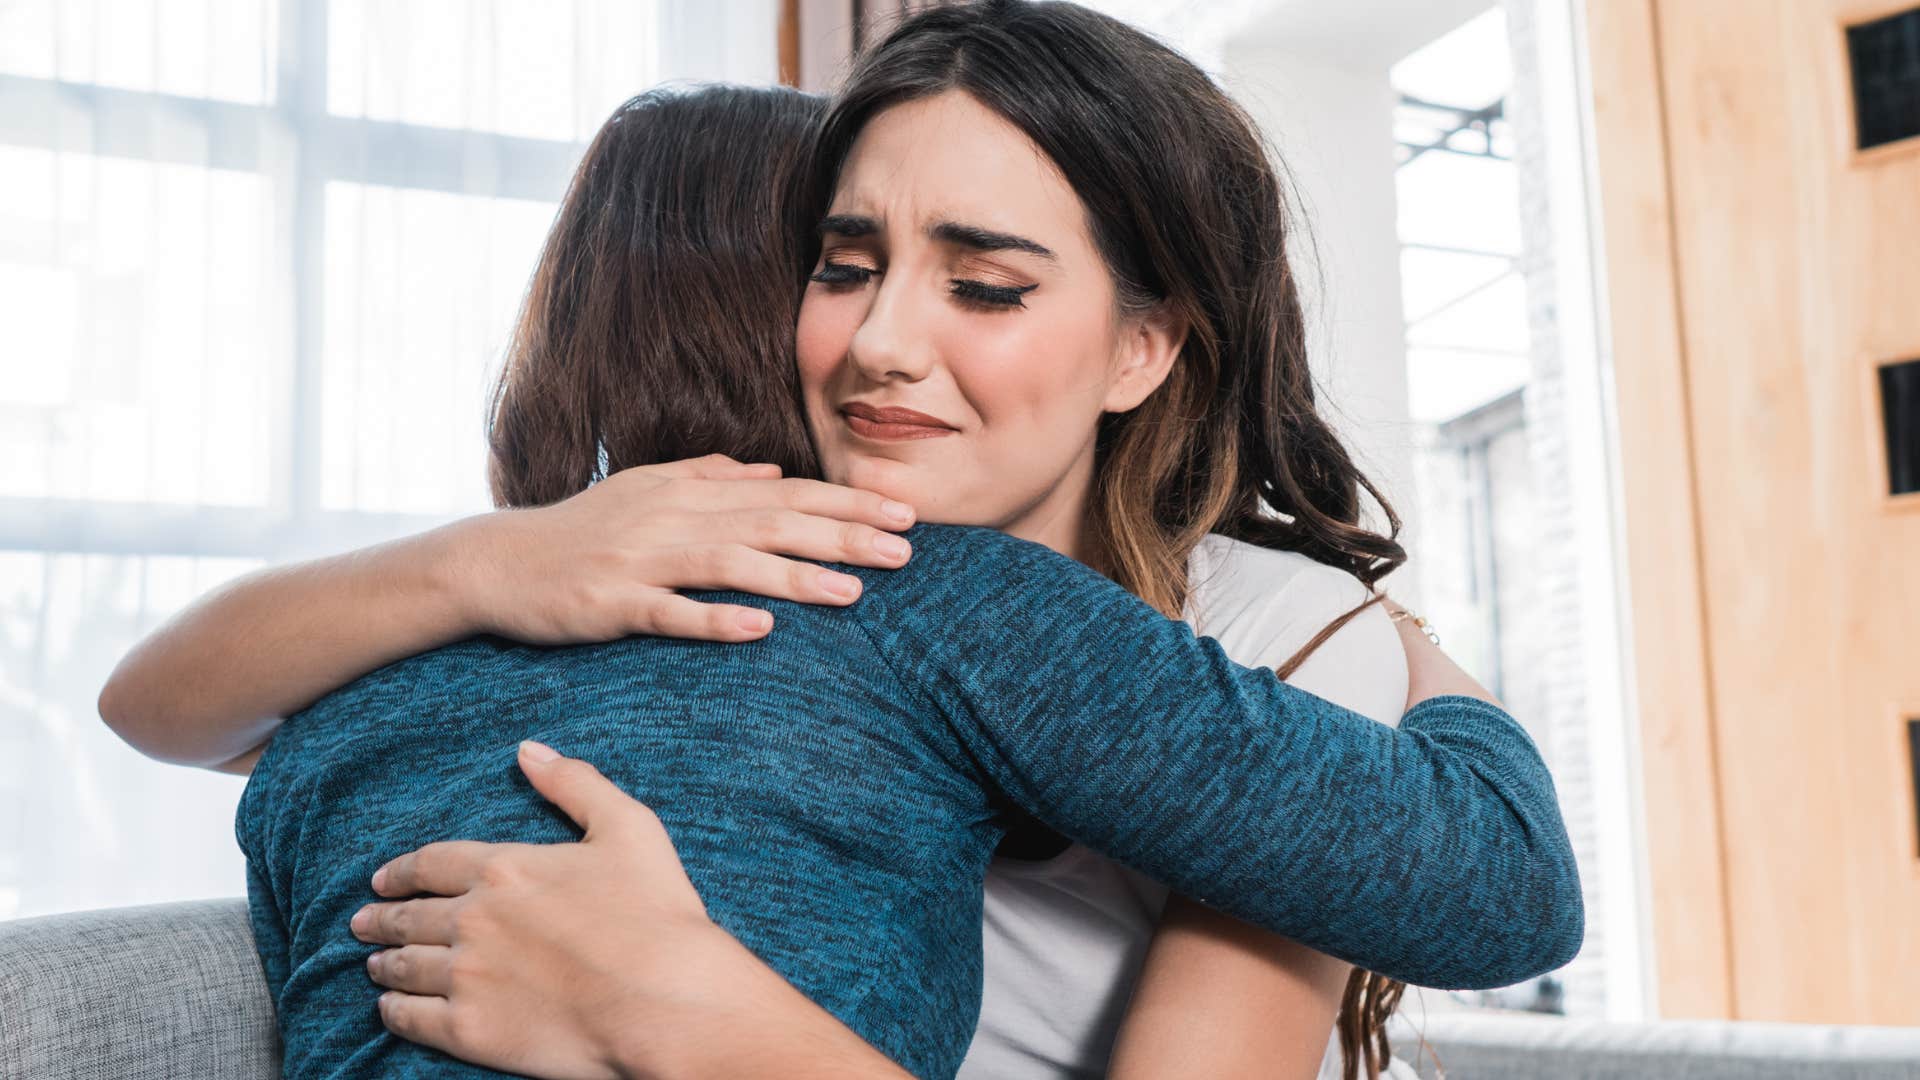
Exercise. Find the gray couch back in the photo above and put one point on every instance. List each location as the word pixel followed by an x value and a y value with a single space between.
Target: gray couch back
pixel 162 991
pixel 175 990
pixel 1497 1046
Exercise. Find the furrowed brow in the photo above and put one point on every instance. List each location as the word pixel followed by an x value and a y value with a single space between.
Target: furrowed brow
pixel 973 236
pixel 849 225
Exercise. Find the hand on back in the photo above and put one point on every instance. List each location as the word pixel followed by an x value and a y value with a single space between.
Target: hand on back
pixel 611 561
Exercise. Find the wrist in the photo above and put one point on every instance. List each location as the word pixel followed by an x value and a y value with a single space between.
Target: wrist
pixel 722 1012
pixel 673 1027
pixel 450 568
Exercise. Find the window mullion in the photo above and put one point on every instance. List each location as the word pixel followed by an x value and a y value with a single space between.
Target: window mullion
pixel 302 102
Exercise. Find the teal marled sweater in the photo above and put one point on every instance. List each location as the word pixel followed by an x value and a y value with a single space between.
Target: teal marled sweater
pixel 837 788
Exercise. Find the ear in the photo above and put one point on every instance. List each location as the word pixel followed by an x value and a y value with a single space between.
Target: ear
pixel 1149 346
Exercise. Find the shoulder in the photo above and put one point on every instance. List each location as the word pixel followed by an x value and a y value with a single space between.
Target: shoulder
pixel 1239 588
pixel 942 548
pixel 426 673
pixel 958 568
pixel 1264 605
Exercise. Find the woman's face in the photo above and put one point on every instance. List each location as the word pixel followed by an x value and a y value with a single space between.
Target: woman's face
pixel 960 338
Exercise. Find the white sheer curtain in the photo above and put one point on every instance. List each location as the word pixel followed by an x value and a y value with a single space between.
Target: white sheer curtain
pixel 257 261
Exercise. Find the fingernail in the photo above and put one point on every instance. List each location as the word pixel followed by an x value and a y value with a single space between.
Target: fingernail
pixel 839 584
pixel 898 511
pixel 892 546
pixel 373 960
pixel 379 879
pixel 538 751
pixel 359 920
pixel 754 622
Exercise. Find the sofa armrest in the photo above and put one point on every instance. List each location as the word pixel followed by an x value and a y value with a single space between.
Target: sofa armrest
pixel 164 990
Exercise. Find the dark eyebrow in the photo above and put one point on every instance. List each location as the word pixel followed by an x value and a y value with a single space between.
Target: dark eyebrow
pixel 848 225
pixel 980 239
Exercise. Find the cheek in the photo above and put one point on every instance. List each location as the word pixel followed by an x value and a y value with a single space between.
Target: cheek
pixel 1041 369
pixel 821 338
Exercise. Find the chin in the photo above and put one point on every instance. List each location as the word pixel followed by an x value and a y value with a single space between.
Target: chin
pixel 887 476
pixel 933 495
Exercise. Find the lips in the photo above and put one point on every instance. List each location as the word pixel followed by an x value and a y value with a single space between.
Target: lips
pixel 892 422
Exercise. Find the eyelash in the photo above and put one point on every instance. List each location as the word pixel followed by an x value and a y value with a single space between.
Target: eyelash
pixel 976 293
pixel 842 275
pixel 991 296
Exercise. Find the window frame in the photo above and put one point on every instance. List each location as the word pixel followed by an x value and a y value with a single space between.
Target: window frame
pixel 297 147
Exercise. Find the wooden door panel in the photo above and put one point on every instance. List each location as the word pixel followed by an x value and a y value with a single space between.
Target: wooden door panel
pixel 1798 272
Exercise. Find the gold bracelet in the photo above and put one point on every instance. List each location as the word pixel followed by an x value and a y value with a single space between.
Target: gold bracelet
pixel 1419 623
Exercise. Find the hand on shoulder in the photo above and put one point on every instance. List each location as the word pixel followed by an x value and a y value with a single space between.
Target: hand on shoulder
pixel 612 560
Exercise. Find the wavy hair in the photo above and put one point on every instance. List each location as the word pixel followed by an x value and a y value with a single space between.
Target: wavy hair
pixel 1189 214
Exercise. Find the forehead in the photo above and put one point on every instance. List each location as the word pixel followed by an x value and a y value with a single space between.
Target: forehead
pixel 948 157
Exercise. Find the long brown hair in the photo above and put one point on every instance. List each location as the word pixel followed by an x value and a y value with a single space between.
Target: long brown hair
pixel 659 321
pixel 1189 214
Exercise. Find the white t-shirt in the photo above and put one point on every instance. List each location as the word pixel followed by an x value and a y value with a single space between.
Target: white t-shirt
pixel 1064 938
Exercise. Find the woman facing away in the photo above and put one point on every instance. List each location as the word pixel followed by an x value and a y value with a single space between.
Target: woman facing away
pixel 1173 401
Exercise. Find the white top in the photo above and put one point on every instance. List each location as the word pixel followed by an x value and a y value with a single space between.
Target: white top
pixel 1064 938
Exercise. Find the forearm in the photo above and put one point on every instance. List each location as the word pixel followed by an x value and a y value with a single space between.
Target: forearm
pixel 215 681
pixel 1434 853
pixel 1218 997
pixel 737 1018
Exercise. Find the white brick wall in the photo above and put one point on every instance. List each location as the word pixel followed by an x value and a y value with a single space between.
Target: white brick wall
pixel 1549 621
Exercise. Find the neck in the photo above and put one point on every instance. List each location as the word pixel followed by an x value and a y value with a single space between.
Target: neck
pixel 1059 518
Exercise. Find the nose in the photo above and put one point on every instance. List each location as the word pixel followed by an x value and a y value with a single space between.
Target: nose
pixel 890 346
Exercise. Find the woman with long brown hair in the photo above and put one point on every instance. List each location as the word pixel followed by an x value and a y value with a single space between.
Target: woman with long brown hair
pixel 1195 412
pixel 941 285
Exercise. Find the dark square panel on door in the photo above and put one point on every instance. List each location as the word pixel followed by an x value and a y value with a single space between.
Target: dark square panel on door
pixel 1885 59
pixel 1913 758
pixel 1900 425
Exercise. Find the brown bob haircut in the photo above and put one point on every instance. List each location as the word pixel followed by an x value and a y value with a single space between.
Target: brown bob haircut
pixel 659 321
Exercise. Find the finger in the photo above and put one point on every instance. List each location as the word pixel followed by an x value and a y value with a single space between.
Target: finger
pixel 779 531
pixel 417 969
pixel 712 467
pixel 809 497
pixel 445 868
pixel 737 566
pixel 594 802
pixel 419 1018
pixel 427 921
pixel 676 616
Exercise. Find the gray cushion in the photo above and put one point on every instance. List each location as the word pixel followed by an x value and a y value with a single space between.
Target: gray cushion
pixel 175 990
pixel 1496 1046
pixel 162 991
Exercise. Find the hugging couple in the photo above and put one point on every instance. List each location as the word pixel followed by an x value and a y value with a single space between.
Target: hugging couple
pixel 928 630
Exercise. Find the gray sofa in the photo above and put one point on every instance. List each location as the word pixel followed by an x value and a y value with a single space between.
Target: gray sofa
pixel 174 990
pixel 1502 1046
pixel 166 990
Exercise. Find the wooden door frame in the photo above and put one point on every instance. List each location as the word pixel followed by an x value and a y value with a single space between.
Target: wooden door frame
pixel 1671 680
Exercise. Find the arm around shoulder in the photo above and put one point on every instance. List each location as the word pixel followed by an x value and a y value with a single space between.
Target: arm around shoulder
pixel 1434 853
pixel 213 683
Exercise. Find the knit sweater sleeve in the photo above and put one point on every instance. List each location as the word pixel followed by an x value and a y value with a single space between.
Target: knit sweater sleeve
pixel 264 905
pixel 1433 852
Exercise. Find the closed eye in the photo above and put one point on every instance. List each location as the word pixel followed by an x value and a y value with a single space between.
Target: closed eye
pixel 842 275
pixel 998 297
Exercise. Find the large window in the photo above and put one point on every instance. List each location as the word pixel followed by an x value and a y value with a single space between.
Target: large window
pixel 1516 512
pixel 257 263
